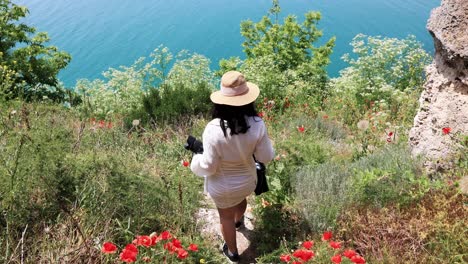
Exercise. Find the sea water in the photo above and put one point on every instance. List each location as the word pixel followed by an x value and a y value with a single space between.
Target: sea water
pixel 108 33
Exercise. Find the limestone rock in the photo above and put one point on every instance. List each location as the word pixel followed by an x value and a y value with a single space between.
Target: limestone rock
pixel 444 102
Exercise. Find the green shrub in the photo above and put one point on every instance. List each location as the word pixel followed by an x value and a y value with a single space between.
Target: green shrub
pixel 28 66
pixel 387 176
pixel 385 75
pixel 184 93
pixel 282 58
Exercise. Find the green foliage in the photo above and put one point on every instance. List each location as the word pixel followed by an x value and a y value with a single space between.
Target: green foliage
pixel 149 91
pixel 282 58
pixel 387 176
pixel 28 68
pixel 184 92
pixel 123 89
pixel 385 75
pixel 106 181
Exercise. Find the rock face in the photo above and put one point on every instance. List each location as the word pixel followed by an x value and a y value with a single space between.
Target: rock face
pixel 444 102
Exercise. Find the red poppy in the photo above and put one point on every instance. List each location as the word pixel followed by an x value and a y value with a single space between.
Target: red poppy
pixel 358 259
pixel 131 247
pixel 185 163
pixel 446 130
pixel 181 253
pixel 129 253
pixel 303 254
pixel 325 117
pixel 335 245
pixel 349 253
pixel 143 241
pixel 155 239
pixel 308 244
pixel 389 140
pixel 285 258
pixel 261 114
pixel 108 248
pixel 390 134
pixel 193 247
pixel 327 236
pixel 170 247
pixel 336 259
pixel 176 243
pixel 301 129
pixel 166 235
pixel 128 256
pixel 109 125
pixel 296 262
pixel 102 124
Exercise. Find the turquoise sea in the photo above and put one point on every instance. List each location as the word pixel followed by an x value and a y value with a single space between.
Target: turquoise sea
pixel 107 33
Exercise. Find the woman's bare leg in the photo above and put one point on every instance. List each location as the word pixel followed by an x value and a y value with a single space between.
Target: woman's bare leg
pixel 240 210
pixel 228 229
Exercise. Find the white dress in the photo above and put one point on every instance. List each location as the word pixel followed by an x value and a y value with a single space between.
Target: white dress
pixel 227 162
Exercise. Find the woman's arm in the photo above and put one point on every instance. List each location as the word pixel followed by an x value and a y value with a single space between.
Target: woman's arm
pixel 264 151
pixel 206 164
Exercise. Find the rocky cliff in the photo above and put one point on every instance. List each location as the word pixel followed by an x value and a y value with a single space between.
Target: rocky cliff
pixel 443 113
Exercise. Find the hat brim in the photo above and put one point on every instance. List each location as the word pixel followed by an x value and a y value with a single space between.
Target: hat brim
pixel 238 100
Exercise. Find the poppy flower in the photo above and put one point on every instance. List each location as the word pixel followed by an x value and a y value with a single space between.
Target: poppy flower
pixel 261 114
pixel 285 258
pixel 446 130
pixel 389 140
pixel 193 247
pixel 109 125
pixel 296 262
pixel 170 247
pixel 308 244
pixel 301 129
pixel 176 243
pixel 129 253
pixel 143 241
pixel 325 117
pixel 154 239
pixel 336 259
pixel 166 235
pixel 390 134
pixel 102 124
pixel 335 245
pixel 304 254
pixel 349 253
pixel 108 248
pixel 128 256
pixel 185 163
pixel 131 247
pixel 327 236
pixel 358 259
pixel 181 253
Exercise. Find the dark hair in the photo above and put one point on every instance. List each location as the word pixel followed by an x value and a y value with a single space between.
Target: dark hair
pixel 234 117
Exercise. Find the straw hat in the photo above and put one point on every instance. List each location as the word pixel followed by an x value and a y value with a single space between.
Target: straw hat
pixel 235 90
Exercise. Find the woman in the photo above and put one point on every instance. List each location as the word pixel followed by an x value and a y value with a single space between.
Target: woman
pixel 231 141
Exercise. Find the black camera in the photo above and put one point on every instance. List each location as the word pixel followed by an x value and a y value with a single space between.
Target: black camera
pixel 194 145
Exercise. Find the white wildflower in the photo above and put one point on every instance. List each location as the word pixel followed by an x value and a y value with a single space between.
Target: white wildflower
pixel 363 125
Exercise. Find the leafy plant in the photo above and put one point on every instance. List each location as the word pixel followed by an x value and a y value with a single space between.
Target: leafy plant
pixel 28 67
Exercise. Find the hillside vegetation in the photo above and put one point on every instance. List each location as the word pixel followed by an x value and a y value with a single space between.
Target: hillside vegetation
pixel 106 163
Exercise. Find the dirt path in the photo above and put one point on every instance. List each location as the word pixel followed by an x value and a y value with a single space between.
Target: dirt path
pixel 208 224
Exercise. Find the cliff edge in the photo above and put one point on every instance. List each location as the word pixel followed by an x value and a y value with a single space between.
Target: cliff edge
pixel 444 101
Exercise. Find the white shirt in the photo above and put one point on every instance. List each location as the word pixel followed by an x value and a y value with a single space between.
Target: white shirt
pixel 227 162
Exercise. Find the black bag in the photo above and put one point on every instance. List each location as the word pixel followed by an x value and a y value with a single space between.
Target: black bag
pixel 262 184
